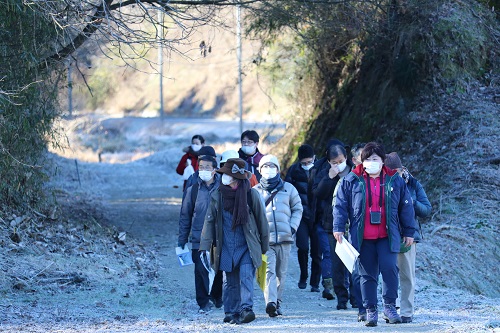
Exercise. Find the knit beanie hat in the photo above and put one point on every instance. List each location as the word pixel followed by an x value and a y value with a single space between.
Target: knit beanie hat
pixel 392 161
pixel 229 154
pixel 269 158
pixel 305 151
pixel 207 150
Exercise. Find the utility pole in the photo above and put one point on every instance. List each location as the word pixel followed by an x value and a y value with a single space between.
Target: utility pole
pixel 160 59
pixel 238 55
pixel 70 90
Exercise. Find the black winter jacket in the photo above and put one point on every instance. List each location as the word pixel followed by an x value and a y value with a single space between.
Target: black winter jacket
pixel 302 181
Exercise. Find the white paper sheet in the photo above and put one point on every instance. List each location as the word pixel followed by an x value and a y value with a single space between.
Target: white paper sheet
pixel 184 256
pixel 347 253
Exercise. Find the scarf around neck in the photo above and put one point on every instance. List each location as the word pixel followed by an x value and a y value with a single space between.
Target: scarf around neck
pixel 272 183
pixel 235 201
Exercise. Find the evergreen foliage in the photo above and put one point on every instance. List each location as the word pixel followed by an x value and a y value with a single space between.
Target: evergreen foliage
pixel 28 102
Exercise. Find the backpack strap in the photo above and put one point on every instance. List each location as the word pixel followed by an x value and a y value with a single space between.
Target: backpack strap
pixel 194 193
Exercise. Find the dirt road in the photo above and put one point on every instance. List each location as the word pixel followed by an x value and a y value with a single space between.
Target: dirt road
pixel 139 200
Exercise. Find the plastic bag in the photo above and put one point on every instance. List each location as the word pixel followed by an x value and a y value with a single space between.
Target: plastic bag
pixel 260 274
pixel 205 260
pixel 188 171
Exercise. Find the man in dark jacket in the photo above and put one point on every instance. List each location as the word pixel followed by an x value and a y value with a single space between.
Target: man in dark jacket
pixel 333 270
pixel 300 175
pixel 249 152
pixel 192 216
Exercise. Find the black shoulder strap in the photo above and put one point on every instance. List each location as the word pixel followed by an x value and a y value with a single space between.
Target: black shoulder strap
pixel 194 193
pixel 268 200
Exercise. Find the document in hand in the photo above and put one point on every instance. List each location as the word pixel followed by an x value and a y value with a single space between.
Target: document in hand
pixel 184 256
pixel 347 253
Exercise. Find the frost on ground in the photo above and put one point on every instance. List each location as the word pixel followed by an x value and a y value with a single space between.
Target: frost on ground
pixel 102 260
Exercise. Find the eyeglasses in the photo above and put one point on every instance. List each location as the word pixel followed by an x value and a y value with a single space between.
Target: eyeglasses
pixel 247 142
pixel 205 168
pixel 269 166
pixel 306 163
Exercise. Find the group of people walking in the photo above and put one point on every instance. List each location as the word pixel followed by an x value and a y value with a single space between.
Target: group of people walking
pixel 240 212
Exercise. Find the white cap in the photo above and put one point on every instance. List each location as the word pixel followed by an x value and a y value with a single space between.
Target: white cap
pixel 269 159
pixel 229 154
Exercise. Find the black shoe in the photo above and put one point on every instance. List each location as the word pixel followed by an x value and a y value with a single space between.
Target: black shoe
pixel 247 316
pixel 271 309
pixel 228 317
pixel 205 309
pixel 342 306
pixel 315 289
pixel 406 320
pixel 302 284
pixel 328 294
pixel 278 308
pixel 361 316
pixel 218 302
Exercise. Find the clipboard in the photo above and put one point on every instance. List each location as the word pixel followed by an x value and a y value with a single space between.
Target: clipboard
pixel 347 253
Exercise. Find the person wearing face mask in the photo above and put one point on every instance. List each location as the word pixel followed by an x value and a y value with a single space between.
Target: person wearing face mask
pixel 190 158
pixel 236 233
pixel 301 175
pixel 249 151
pixel 375 202
pixel 333 270
pixel 191 219
pixel 193 179
pixel 407 257
pixel 283 212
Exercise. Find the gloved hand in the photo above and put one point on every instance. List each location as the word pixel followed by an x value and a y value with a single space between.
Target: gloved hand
pixel 181 244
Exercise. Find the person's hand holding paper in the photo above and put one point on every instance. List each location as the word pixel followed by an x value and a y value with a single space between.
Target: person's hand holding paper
pixel 346 252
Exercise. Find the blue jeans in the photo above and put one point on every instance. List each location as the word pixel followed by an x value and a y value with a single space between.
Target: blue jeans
pixel 375 257
pixel 238 289
pixel 324 246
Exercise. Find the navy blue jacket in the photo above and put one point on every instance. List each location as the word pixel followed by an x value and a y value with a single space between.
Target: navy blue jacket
pixel 421 204
pixel 350 206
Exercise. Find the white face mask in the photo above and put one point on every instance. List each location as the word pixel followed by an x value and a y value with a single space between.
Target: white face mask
pixel 307 167
pixel 268 173
pixel 195 147
pixel 372 167
pixel 226 179
pixel 249 150
pixel 205 175
pixel 342 166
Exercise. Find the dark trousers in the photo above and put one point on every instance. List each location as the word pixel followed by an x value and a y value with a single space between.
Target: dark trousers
pixel 307 244
pixel 339 273
pixel 375 257
pixel 355 288
pixel 201 281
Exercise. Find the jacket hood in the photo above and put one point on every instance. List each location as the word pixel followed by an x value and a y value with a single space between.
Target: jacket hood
pixel 359 170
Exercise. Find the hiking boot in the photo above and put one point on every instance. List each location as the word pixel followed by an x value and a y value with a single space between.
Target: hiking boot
pixel 228 317
pixel 361 316
pixel 406 320
pixel 271 309
pixel 205 309
pixel 328 285
pixel 371 317
pixel 302 284
pixel 315 289
pixel 327 293
pixel 342 306
pixel 247 316
pixel 218 302
pixel 278 308
pixel 391 314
